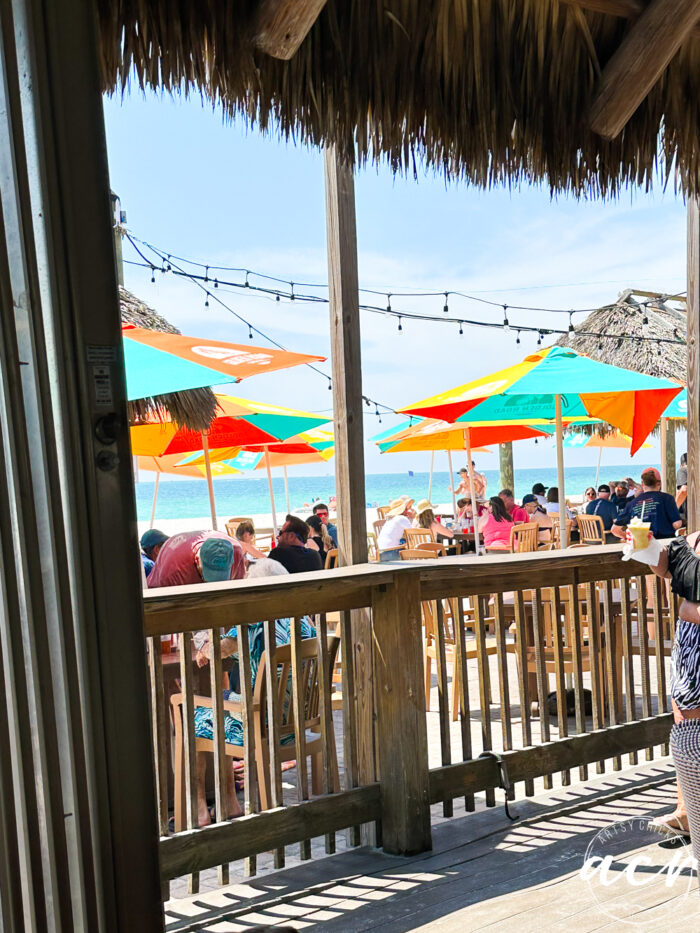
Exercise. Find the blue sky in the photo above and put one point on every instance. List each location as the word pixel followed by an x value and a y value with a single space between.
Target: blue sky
pixel 220 193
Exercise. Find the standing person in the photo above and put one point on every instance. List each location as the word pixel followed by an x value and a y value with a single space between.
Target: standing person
pixel 652 505
pixel 605 510
pixel 682 488
pixel 321 509
pixel 495 526
pixel 680 563
pixel 538 516
pixel 291 550
pixel 197 557
pixel 539 491
pixel 391 537
pixel 517 513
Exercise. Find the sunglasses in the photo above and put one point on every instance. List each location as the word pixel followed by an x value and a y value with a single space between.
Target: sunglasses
pixel 322 514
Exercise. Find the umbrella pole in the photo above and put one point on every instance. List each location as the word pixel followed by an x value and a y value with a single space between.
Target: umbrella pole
pixel 452 479
pixel 430 481
pixel 286 488
pixel 560 473
pixel 210 483
pixel 155 499
pixel 597 472
pixel 272 493
pixel 470 468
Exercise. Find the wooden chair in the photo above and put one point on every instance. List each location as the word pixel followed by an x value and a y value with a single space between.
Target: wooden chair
pixel 331 558
pixel 372 547
pixel 436 549
pixel 287 752
pixel 416 553
pixel 416 536
pixel 591 531
pixel 556 530
pixel 524 538
pixel 382 511
pixel 378 525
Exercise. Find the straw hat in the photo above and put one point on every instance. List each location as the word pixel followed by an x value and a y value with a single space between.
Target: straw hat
pixel 399 506
pixel 423 506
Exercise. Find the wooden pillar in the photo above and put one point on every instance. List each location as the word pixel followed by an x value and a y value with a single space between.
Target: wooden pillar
pixel 402 739
pixel 346 363
pixel 668 456
pixel 505 457
pixel 693 338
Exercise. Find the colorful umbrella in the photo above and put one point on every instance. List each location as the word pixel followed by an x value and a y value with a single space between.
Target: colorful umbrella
pixel 158 363
pixel 172 464
pixel 614 439
pixel 550 384
pixel 678 408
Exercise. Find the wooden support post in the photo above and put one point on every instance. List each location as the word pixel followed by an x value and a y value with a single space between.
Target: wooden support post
pixel 346 359
pixel 639 62
pixel 280 26
pixel 625 9
pixel 693 340
pixel 668 456
pixel 563 541
pixel 505 458
pixel 402 739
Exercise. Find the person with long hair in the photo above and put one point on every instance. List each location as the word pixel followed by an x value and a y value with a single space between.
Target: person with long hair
pixel 496 525
pixel 320 536
pixel 425 518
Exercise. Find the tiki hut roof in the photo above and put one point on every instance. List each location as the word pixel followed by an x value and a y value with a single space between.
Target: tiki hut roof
pixel 666 319
pixel 194 408
pixel 492 91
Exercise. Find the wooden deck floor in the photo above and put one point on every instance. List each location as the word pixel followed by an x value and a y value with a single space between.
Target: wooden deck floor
pixel 483 873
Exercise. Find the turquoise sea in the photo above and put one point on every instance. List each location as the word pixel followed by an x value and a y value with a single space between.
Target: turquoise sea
pixel 242 495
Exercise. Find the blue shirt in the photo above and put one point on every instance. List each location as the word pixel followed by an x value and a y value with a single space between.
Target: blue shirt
pixel 148 564
pixel 659 509
pixel 333 533
pixel 605 509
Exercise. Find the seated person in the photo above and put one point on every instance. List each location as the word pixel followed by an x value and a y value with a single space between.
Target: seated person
pixel 553 503
pixel 590 495
pixel 517 513
pixel 538 516
pixel 197 557
pixel 495 526
pixel 465 514
pixel 604 508
pixel 620 495
pixel 233 724
pixel 653 506
pixel 425 518
pixel 320 535
pixel 321 509
pixel 151 543
pixel 245 535
pixel 539 491
pixel 391 536
pixel 291 550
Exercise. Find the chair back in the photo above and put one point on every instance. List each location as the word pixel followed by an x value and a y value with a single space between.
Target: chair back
pixel 556 530
pixel 233 523
pixel 382 511
pixel 309 680
pixel 436 549
pixel 409 553
pixel 331 558
pixel 429 614
pixel 416 536
pixel 378 525
pixel 372 547
pixel 523 538
pixel 591 529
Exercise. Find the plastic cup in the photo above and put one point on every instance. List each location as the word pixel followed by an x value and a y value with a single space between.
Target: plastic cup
pixel 640 535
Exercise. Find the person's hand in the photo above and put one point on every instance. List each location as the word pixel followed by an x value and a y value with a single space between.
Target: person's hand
pixel 203 656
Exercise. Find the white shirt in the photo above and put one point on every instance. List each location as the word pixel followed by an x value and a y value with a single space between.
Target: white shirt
pixel 553 509
pixel 541 500
pixel 392 532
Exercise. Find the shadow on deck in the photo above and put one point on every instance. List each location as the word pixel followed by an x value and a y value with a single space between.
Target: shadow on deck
pixel 483 871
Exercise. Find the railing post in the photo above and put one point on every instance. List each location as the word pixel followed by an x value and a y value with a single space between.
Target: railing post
pixel 401 732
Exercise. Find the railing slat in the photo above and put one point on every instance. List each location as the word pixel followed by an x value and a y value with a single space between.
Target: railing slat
pixel 594 656
pixel 464 705
pixel 250 775
pixel 538 626
pixel 325 713
pixel 643 635
pixel 521 643
pixel 559 678
pixel 299 722
pixel 482 662
pixel 610 662
pixel 443 694
pixel 219 739
pixel 188 744
pixel 347 661
pixel 273 727
pixel 160 725
pixel 628 657
pixel 662 699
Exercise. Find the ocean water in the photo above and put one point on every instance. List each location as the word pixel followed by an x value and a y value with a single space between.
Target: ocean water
pixel 242 495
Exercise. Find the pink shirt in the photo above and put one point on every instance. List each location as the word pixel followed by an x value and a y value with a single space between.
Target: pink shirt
pixel 175 565
pixel 495 533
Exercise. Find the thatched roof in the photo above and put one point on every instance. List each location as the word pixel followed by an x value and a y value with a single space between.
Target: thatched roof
pixel 193 409
pixel 665 318
pixel 493 91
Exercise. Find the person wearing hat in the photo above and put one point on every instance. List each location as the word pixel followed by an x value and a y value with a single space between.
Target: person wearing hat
pixel 651 505
pixel 425 518
pixel 197 557
pixel 391 536
pixel 539 492
pixel 538 516
pixel 604 508
pixel 151 543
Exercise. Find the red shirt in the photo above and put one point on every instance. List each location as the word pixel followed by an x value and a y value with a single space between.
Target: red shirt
pixel 175 565
pixel 520 516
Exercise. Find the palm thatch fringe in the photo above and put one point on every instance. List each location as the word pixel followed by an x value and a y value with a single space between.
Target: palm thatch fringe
pixel 193 409
pixel 663 319
pixel 490 91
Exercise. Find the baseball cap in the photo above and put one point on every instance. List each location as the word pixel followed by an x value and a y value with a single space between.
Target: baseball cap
pixel 216 558
pixel 603 487
pixel 539 489
pixel 152 538
pixel 529 498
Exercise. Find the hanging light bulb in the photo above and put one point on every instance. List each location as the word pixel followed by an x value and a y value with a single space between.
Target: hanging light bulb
pixel 388 304
pixel 206 301
pixel 539 338
pixel 400 325
pixel 153 273
pixel 517 339
pixel 330 387
pixel 292 296
pixel 506 325
pixel 168 267
pixel 206 273
pixel 446 309
pixel 461 332
pixel 250 332
pixel 571 323
pixel 247 283
pixel 277 297
pixel 216 283
pixel 367 403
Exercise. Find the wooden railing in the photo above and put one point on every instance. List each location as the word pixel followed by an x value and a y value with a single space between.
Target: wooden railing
pixel 497 630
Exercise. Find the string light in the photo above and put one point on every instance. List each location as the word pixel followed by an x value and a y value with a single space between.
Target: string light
pixel 216 283
pixel 206 300
pixel 506 325
pixel 388 304
pixel 250 332
pixel 206 274
pixel 517 338
pixel 461 332
pixel 539 338
pixel 247 283
pixel 400 327
pixel 571 323
pixel 446 309
pixel 292 296
pixel 153 273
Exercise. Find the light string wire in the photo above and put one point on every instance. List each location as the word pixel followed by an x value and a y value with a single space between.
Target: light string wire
pixel 196 280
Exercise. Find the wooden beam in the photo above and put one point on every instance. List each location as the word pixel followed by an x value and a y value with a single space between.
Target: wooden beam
pixel 280 26
pixel 641 59
pixel 624 9
pixel 693 342
pixel 505 462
